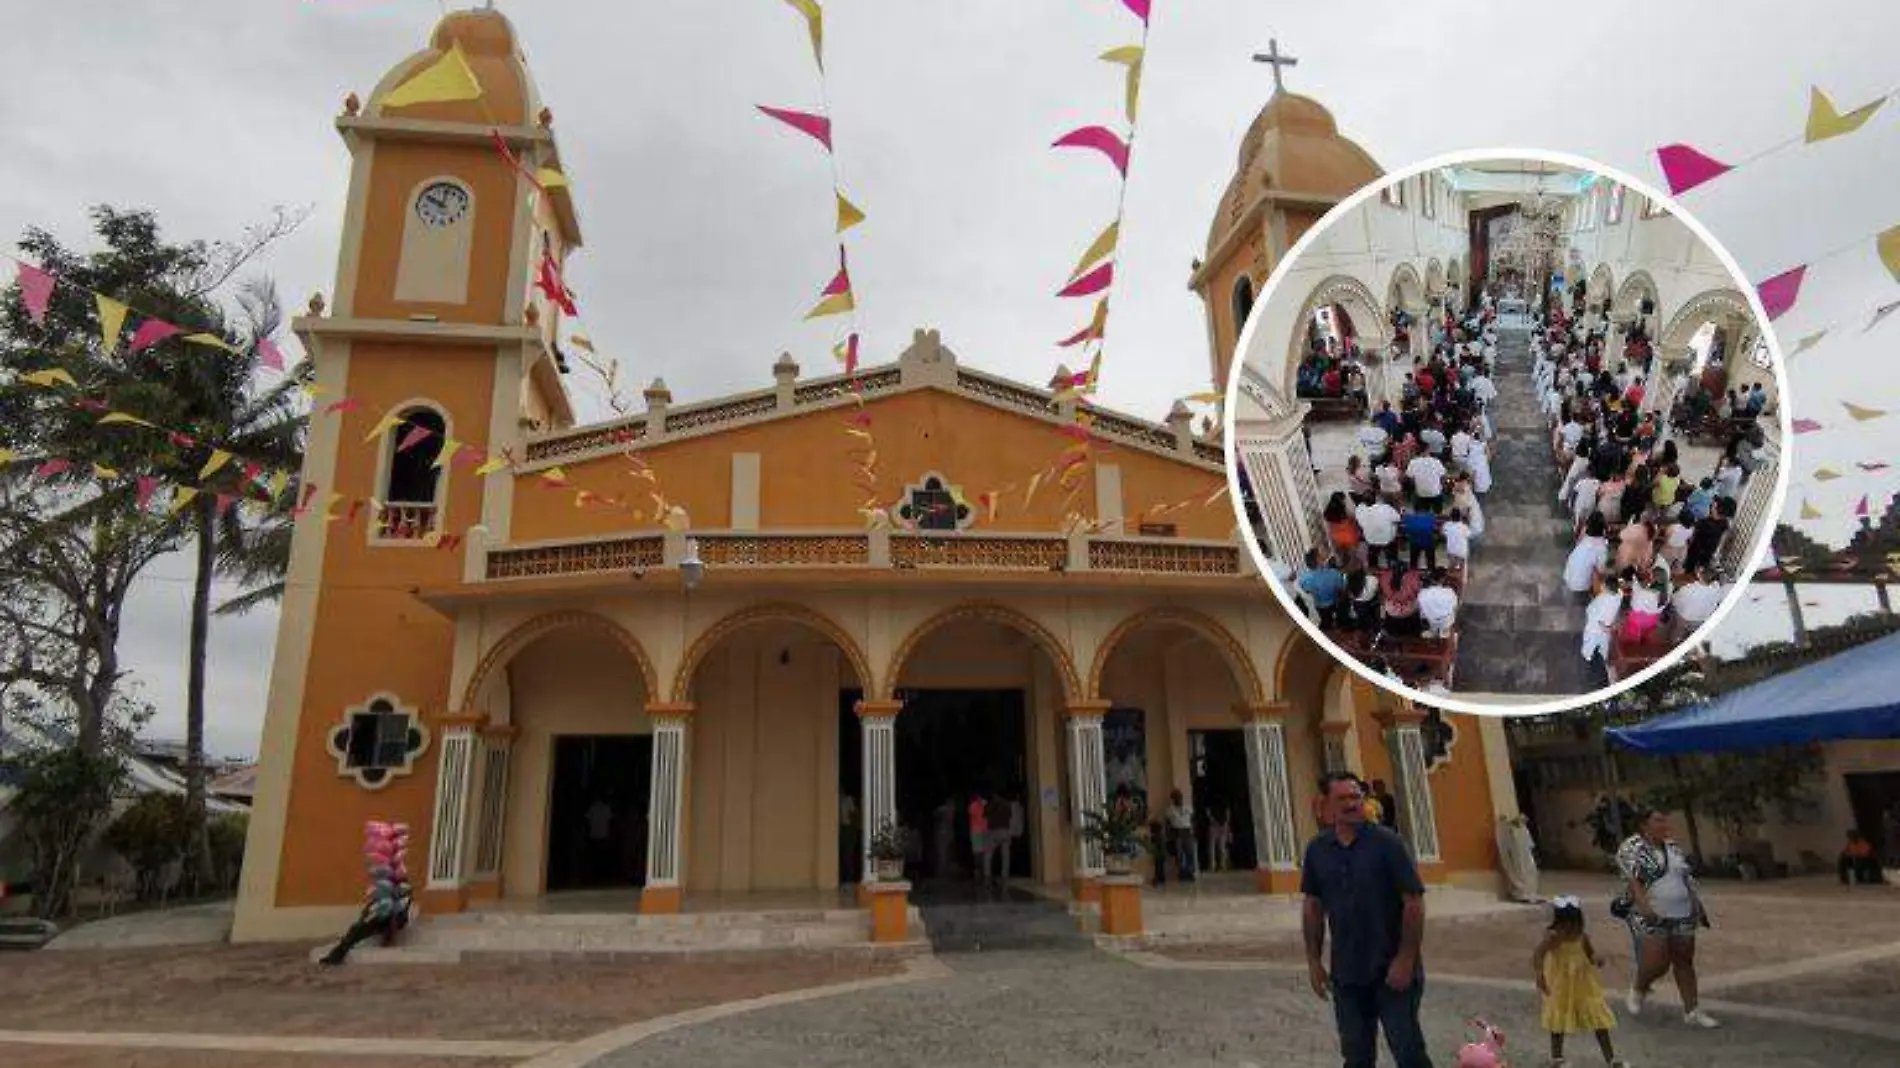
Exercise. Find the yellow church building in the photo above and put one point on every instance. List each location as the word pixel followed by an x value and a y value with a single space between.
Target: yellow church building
pixel 558 697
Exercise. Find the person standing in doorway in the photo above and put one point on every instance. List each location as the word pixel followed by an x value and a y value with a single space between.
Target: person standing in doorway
pixel 1361 884
pixel 1220 839
pixel 850 840
pixel 1017 814
pixel 979 837
pixel 996 814
pixel 1181 835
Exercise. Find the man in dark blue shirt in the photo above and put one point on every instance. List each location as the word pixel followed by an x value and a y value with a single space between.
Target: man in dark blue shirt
pixel 1361 884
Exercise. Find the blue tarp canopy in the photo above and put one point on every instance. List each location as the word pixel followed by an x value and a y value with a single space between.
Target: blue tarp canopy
pixel 1855 694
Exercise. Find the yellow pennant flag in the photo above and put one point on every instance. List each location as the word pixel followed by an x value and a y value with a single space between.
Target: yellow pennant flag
pixel 1826 474
pixel 1129 56
pixel 1100 247
pixel 1888 245
pixel 102 471
pixel 218 459
pixel 181 496
pixel 1809 511
pixel 489 467
pixel 848 213
pixel 1824 122
pixel 384 426
pixel 554 476
pixel 580 341
pixel 313 391
pixel 836 304
pixel 111 321
pixel 7 456
pixel 447 453
pixel 1861 414
pixel 329 506
pixel 114 418
pixel 1207 398
pixel 212 340
pixel 814 25
pixel 277 483
pixel 550 178
pixel 50 378
pixel 447 79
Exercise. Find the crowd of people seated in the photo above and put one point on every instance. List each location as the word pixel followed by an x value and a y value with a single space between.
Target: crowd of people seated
pixel 1647 537
pixel 1400 536
pixel 1332 372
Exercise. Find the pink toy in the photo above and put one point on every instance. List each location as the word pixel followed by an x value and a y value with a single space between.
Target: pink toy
pixel 1488 1053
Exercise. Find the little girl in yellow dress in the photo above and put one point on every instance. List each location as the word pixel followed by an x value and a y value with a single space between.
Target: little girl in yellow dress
pixel 1566 965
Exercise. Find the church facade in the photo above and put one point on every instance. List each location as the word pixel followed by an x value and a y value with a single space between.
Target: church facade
pixel 557 690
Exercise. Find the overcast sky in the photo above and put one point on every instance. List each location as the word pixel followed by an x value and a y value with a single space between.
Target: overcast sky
pixel 708 228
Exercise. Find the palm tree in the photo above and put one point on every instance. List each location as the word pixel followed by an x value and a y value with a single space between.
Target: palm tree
pixel 227 406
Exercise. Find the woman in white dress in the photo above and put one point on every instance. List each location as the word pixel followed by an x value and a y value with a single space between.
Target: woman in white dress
pixel 1466 501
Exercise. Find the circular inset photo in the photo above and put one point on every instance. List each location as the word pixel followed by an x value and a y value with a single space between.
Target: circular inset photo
pixel 1508 430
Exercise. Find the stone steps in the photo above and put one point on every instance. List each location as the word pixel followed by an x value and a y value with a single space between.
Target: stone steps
pixel 542 936
pixel 974 928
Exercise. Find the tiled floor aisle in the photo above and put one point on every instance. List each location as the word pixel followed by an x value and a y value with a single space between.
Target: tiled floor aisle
pixel 1520 631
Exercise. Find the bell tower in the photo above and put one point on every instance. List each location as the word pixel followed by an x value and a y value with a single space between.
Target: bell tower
pixel 436 348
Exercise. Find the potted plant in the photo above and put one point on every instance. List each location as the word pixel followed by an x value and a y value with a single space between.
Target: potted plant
pixel 1119 832
pixel 889 846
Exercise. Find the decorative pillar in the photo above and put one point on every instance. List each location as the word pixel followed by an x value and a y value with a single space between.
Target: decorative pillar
pixel 1418 820
pixel 666 806
pixel 491 810
pixel 1280 471
pixel 1334 742
pixel 1088 791
pixel 448 826
pixel 1277 861
pixel 878 721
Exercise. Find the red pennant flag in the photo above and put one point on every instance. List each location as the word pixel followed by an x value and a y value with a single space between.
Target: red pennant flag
pixel 1101 139
pixel 52 467
pixel 147 485
pixel 840 282
pixel 816 126
pixel 269 354
pixel 304 505
pixel 1806 426
pixel 1139 7
pixel 355 507
pixel 36 290
pixel 851 354
pixel 183 441
pixel 548 281
pixel 416 436
pixel 87 404
pixel 1778 293
pixel 1685 168
pixel 151 332
pixel 860 419
pixel 1091 283
pixel 1861 508
pixel 252 470
pixel 347 404
pixel 514 161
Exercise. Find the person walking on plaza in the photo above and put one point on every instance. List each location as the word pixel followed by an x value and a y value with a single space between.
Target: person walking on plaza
pixel 1361 885
pixel 1565 965
pixel 1665 910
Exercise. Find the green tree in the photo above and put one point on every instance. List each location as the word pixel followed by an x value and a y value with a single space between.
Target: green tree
pixel 150 834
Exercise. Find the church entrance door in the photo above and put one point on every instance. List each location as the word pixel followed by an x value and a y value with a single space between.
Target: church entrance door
pixel 1218 771
pixel 597 811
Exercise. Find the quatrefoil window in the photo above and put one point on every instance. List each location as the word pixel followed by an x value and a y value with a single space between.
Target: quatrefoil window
pixel 931 505
pixel 377 741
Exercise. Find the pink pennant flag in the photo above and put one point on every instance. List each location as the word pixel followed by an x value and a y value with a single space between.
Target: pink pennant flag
pixel 251 471
pixel 1139 7
pixel 304 505
pixel 1806 426
pixel 151 332
pixel 1091 283
pixel 1861 508
pixel 1100 138
pixel 147 485
pixel 269 354
pixel 416 436
pixel 840 282
pixel 183 441
pixel 347 404
pixel 1778 293
pixel 1685 168
pixel 36 290
pixel 466 455
pixel 817 126
pixel 52 467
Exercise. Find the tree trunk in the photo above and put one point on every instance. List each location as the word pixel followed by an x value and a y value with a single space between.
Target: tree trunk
pixel 198 851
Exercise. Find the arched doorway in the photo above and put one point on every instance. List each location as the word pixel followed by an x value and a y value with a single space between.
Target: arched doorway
pixel 1174 681
pixel 563 793
pixel 1405 306
pixel 1710 347
pixel 768 686
pixel 1339 317
pixel 983 689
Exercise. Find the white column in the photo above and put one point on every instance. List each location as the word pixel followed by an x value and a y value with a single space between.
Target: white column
pixel 666 803
pixel 1280 471
pixel 1418 819
pixel 492 804
pixel 455 771
pixel 878 722
pixel 1271 793
pixel 1088 778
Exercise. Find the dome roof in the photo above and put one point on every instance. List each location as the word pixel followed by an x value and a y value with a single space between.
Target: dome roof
pixel 1293 146
pixel 488 43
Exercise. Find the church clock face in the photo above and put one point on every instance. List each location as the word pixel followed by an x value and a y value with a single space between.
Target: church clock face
pixel 442 204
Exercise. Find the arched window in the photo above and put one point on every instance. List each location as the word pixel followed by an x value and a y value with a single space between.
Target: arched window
pixel 1243 303
pixel 411 481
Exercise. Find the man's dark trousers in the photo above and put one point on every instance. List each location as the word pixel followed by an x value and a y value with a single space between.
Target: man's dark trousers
pixel 1362 1011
